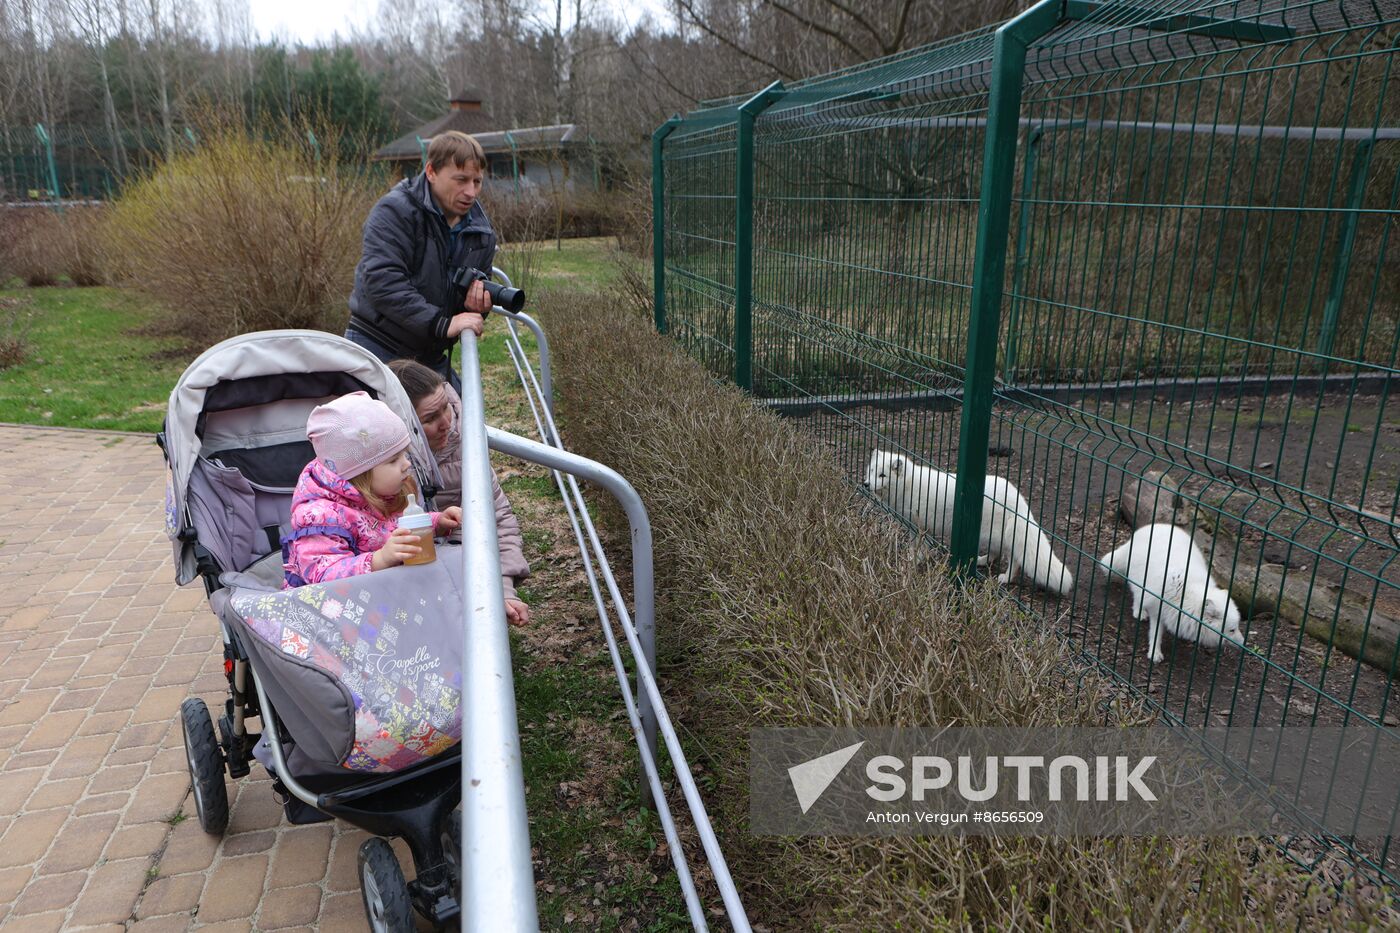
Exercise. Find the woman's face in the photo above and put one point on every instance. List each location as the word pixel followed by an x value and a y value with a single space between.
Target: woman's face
pixel 435 413
pixel 386 479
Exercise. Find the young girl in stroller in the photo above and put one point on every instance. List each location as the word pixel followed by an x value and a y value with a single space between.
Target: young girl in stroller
pixel 348 500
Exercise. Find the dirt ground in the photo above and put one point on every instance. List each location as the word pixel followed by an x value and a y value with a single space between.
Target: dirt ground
pixel 1311 486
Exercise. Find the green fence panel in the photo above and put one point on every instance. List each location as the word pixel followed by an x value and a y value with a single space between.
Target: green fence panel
pixel 1190 290
pixel 87 162
pixel 700 161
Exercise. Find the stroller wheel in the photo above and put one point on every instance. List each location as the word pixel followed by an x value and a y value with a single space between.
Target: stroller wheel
pixel 206 761
pixel 383 888
pixel 452 850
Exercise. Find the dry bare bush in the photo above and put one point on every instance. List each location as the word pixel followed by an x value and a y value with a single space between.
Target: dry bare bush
pixel 37 250
pixel 521 224
pixel 539 212
pixel 45 246
pixel 631 215
pixel 15 321
pixel 9 232
pixel 85 246
pixel 245 234
pixel 784 601
pixel 634 282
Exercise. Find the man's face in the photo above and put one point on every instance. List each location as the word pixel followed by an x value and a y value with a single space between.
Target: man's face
pixel 455 188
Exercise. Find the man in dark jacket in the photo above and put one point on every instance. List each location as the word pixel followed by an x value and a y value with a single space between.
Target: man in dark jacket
pixel 404 304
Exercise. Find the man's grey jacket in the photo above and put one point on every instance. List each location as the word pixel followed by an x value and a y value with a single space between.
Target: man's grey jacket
pixel 402 284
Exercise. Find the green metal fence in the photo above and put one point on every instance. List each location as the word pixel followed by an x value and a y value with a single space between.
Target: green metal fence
pixel 76 161
pixel 1102 245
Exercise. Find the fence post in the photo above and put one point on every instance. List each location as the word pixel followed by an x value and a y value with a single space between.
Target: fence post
pixel 989 269
pixel 658 221
pixel 47 143
pixel 1018 273
pixel 743 233
pixel 514 160
pixel 1357 189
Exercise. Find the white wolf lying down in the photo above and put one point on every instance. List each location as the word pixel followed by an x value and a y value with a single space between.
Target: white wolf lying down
pixel 1172 587
pixel 1009 530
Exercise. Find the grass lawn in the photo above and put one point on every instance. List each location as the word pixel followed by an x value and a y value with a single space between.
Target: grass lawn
pixel 87 365
pixel 588 263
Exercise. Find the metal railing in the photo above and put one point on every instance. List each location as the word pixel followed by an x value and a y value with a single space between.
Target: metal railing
pixel 498 881
pixel 497 875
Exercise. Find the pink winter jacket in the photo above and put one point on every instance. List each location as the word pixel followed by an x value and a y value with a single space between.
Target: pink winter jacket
pixel 335 532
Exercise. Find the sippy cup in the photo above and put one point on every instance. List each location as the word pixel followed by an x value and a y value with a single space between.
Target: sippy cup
pixel 421 524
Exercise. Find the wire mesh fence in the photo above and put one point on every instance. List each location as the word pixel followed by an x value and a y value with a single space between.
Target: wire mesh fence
pixel 39 163
pixel 1139 261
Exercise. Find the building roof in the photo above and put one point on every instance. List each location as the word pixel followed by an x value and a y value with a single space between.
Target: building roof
pixel 531 137
pixel 473 122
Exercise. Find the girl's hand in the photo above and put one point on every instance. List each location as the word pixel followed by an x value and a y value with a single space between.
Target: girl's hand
pixel 450 519
pixel 401 546
pixel 517 613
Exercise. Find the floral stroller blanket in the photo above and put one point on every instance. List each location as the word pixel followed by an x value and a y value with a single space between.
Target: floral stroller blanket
pixel 365 672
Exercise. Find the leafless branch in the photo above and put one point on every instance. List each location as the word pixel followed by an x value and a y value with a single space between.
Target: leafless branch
pixel 688 7
pixel 818 27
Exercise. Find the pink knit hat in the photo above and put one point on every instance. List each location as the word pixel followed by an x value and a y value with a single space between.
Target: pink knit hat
pixel 355 433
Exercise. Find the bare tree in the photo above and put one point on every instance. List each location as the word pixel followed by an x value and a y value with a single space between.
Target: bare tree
pixel 93 22
pixel 233 37
pixel 34 37
pixel 155 19
pixel 796 38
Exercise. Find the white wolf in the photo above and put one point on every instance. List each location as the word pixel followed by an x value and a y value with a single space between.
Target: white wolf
pixel 1009 530
pixel 1172 587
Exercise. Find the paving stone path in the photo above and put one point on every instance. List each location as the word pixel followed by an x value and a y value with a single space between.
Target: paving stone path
pixel 98 647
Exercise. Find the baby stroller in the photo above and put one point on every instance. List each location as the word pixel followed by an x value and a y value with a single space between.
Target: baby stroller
pixel 355 711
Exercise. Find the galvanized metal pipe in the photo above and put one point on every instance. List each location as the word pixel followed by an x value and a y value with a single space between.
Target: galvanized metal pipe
pixel 654 795
pixel 642 648
pixel 632 506
pixel 643 586
pixel 547 391
pixel 498 881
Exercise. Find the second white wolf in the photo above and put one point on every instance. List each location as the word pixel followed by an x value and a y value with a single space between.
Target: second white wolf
pixel 1009 530
pixel 1172 588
